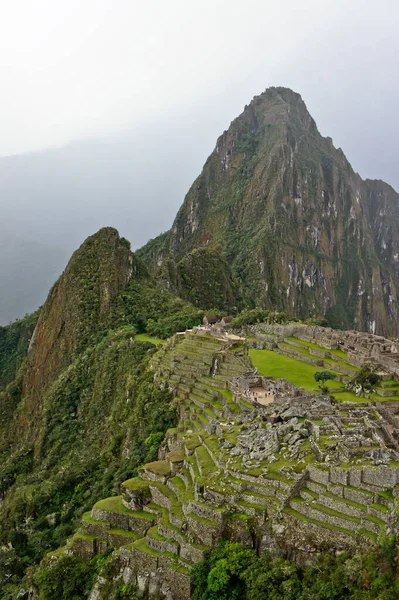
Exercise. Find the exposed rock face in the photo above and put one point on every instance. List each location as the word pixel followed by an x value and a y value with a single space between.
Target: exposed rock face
pixel 301 231
pixel 77 307
pixel 77 302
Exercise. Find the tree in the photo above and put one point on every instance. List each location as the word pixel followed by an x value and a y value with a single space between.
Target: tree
pixel 68 578
pixel 321 377
pixel 223 575
pixel 364 382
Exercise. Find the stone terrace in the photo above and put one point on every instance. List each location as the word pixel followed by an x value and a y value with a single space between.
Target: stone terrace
pixel 301 472
pixel 318 346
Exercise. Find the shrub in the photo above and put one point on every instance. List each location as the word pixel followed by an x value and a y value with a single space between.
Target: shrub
pixel 318 321
pixel 258 315
pixel 180 321
pixel 364 382
pixel 324 375
pixel 68 578
pixel 231 571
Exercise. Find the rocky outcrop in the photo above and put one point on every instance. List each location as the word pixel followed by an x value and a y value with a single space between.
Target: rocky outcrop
pixel 299 229
pixel 77 308
pixel 76 305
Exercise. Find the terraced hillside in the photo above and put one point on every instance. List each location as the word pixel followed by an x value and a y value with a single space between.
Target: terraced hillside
pixel 300 347
pixel 162 519
pixel 300 472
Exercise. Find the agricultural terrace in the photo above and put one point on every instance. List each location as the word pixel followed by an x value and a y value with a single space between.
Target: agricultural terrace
pixel 287 362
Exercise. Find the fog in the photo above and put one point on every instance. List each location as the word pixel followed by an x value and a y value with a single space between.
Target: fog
pixel 110 108
pixel 133 181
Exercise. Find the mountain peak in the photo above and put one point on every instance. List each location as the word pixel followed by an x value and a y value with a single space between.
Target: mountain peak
pixel 300 231
pixel 280 92
pixel 77 305
pixel 282 105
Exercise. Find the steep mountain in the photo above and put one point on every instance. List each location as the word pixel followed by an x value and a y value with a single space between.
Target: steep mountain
pixel 79 409
pixel 14 343
pixel 295 228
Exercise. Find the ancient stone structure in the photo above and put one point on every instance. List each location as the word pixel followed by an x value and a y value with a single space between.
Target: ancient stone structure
pixel 359 347
pixel 302 472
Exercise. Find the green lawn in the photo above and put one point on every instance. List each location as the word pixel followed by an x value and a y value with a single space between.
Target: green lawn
pixel 273 364
pixel 143 337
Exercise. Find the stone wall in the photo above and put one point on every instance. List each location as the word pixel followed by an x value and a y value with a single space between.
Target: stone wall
pixel 368 347
pixel 381 477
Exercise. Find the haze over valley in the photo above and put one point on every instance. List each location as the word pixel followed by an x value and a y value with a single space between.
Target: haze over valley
pixel 115 133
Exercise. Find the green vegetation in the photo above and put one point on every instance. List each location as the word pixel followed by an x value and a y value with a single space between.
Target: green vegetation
pixel 14 342
pixel 204 278
pixel 307 344
pixel 143 337
pixel 324 376
pixel 258 315
pixel 321 377
pixel 273 364
pixel 364 382
pixel 159 467
pixel 165 327
pixel 68 578
pixel 102 420
pixel 112 504
pixel 11 572
pixel 233 572
pixel 301 374
pixel 71 578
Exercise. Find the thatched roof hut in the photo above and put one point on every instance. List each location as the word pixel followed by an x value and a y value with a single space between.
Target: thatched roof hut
pixel 210 319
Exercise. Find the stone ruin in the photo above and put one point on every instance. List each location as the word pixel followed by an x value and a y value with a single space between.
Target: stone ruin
pixel 302 473
pixel 361 431
pixel 361 348
pixel 262 391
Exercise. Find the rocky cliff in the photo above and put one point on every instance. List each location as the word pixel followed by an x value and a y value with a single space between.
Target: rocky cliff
pixel 79 409
pixel 103 287
pixel 299 229
pixel 78 304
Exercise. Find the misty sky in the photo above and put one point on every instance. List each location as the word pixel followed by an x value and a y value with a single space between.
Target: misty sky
pixel 109 109
pixel 80 68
